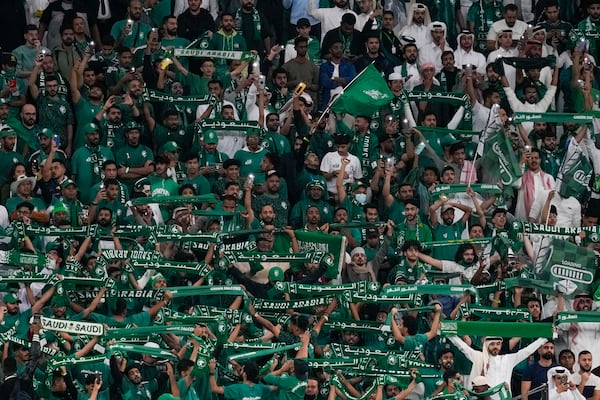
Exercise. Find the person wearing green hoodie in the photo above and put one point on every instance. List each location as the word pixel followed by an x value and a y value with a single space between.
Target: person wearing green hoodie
pixel 227 38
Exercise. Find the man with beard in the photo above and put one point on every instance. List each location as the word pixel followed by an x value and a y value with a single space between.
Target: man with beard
pixel 195 21
pixel 410 269
pixel 41 72
pixel 448 229
pixel 335 73
pixel 66 56
pixel 445 362
pixel 509 21
pixel 432 51
pixel 109 119
pixel 170 129
pixel 118 75
pixel 135 160
pixel 272 197
pixel 87 161
pixel 314 198
pixel 551 157
pixel 418 19
pixel 329 17
pixel 411 227
pixel 373 55
pixel 409 69
pixel 22 189
pixel 579 336
pixel 466 55
pixel 251 156
pixel 480 17
pixel 536 374
pixel 321 141
pixel 490 363
pixel 56 113
pixel 254 27
pixel 591 25
pixel 587 383
pixel 531 185
pixel 390 45
pixel 54 175
pixel 27 52
pixel 44 140
pixel 170 38
pixel 331 165
pixel 216 109
pixel 86 108
pixel 231 168
pixel 350 37
pixel 131 32
pixel 107 199
pixel 227 38
pixel 466 263
pixel 8 157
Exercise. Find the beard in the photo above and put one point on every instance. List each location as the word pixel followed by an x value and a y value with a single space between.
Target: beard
pixel 548 356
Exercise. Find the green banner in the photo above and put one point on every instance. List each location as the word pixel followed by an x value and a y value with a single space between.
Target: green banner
pixel 500 160
pixel 502 329
pixel 552 118
pixel 328 244
pixel 568 265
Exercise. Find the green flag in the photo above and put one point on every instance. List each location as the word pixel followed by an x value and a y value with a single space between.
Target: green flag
pixel 567 265
pixel 499 159
pixel 364 95
pixel 329 244
pixel 575 176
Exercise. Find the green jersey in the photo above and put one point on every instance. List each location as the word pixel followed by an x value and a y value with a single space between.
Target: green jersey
pixel 13 202
pixel 137 37
pixel 130 156
pixel 290 387
pixel 483 14
pixel 183 137
pixel 243 391
pixel 250 160
pixel 85 112
pixel 7 160
pixel 86 166
pixel 276 143
pixel 55 114
pixel 447 232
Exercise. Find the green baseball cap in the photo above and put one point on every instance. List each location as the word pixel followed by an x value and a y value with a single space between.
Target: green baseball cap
pixel 358 184
pixel 10 298
pixel 46 132
pixel 59 208
pixel 6 132
pixel 168 147
pixel 316 183
pixel 210 137
pixel 90 128
pixel 131 125
pixel 276 274
pixel 60 301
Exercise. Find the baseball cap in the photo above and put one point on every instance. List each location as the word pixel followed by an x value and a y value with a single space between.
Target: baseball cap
pixel 11 298
pixel 169 147
pixel 275 274
pixel 303 23
pixel 210 137
pixel 447 207
pixel 90 128
pixel 46 132
pixel 480 381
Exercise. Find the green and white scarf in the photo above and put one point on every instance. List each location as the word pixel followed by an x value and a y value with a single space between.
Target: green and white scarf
pixel 255 21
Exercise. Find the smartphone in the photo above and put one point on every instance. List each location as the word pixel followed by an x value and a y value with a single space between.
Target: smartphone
pixel 13 84
pixel 262 80
pixel 300 88
pixel 581 44
pixel 37 318
pixel 35 165
pixel 129 24
pixel 118 100
pixel 56 139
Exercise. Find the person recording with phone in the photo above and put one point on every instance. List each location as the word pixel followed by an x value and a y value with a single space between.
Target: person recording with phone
pixel 561 386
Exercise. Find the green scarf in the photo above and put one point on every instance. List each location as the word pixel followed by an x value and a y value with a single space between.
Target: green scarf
pixel 499 328
pixel 255 21
pixel 229 55
pixel 549 117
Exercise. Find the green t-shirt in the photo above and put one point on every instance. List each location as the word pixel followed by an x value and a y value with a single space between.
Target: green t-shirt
pixel 85 113
pixel 86 166
pixel 7 160
pixel 415 343
pixel 136 157
pixel 290 387
pixel 242 391
pixel 13 202
pixel 137 37
pixel 250 161
pixel 447 232
pixel 138 319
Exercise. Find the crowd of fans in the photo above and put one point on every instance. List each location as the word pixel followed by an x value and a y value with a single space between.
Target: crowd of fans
pixel 107 126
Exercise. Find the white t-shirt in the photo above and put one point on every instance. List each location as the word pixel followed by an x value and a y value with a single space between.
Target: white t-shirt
pixel 332 161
